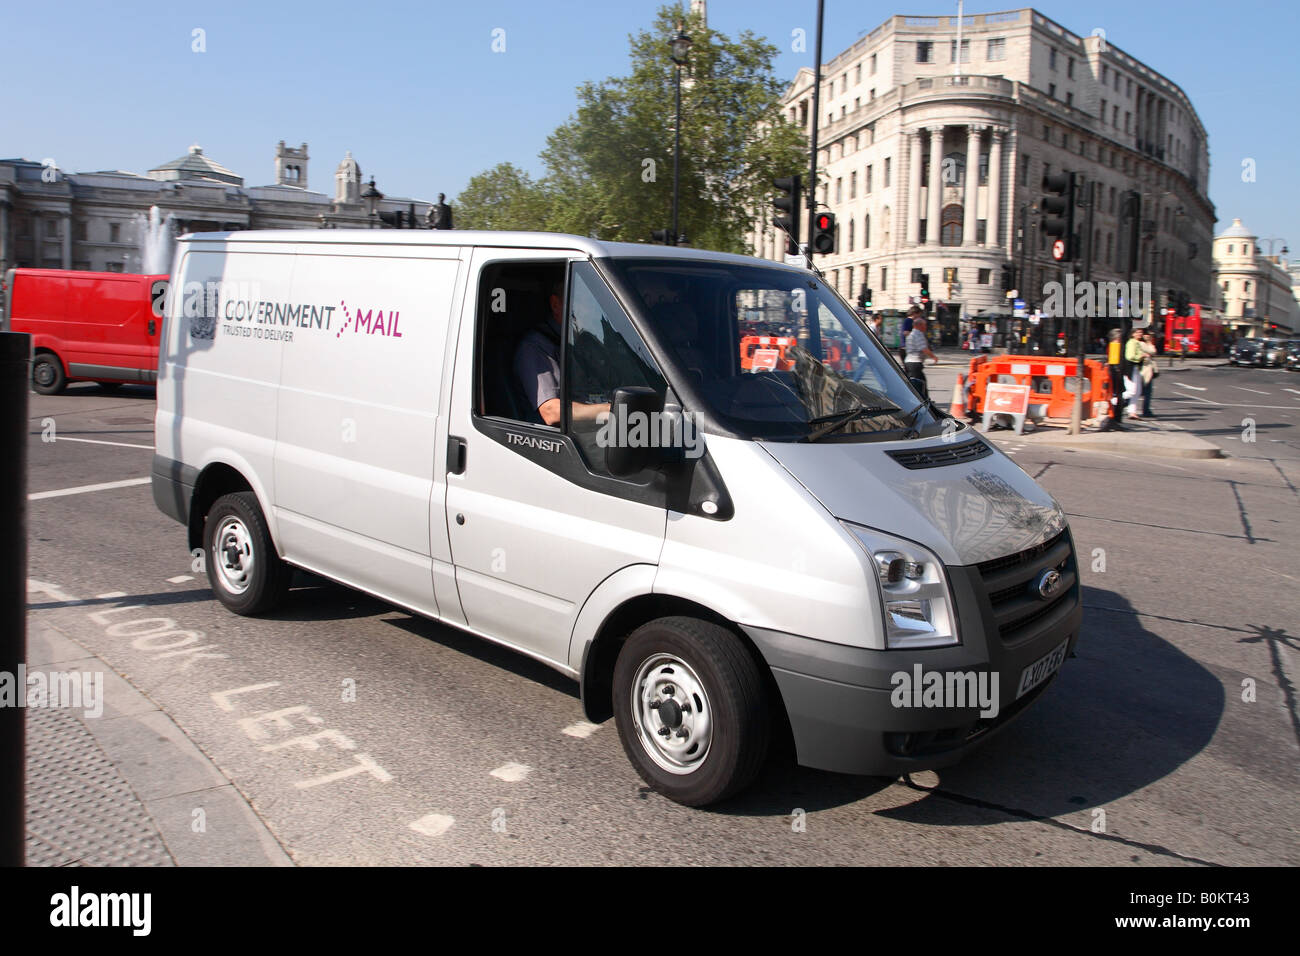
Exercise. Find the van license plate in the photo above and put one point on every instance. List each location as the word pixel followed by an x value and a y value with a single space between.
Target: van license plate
pixel 1041 669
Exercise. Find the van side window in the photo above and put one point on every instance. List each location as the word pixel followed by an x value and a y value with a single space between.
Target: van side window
pixel 603 353
pixel 518 338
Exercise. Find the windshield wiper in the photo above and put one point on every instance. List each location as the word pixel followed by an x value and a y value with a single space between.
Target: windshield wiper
pixel 838 420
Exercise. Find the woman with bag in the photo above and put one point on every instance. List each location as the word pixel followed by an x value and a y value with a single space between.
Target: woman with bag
pixel 1149 371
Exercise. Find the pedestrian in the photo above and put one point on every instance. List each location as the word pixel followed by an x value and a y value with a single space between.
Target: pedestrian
pixel 1149 371
pixel 912 315
pixel 917 349
pixel 1185 340
pixel 1135 356
pixel 1114 351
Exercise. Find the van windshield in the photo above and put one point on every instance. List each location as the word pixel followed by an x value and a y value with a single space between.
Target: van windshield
pixel 773 353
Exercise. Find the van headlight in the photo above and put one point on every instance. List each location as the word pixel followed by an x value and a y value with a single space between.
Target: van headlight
pixel 913 589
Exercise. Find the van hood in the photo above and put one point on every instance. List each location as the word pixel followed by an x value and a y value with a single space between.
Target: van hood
pixel 965 513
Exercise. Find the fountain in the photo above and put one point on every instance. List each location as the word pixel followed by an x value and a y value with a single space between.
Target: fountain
pixel 155 237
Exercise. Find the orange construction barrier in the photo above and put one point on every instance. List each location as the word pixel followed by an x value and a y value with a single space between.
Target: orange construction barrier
pixel 1049 382
pixel 766 351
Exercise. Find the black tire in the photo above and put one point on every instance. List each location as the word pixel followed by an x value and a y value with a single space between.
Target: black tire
pixel 47 374
pixel 734 703
pixel 245 572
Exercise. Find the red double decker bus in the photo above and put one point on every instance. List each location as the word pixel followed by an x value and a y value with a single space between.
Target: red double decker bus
pixel 1203 333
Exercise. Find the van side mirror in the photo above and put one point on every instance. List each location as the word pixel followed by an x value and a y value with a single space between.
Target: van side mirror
pixel 633 415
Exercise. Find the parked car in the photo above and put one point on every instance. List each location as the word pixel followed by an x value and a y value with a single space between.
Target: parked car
pixel 1272 353
pixel 86 326
pixel 1293 355
pixel 655 573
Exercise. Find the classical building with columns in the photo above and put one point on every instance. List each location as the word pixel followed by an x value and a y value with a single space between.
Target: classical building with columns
pixel 932 159
pixel 1254 287
pixel 54 219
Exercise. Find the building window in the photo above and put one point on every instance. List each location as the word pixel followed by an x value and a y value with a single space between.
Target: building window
pixel 983 169
pixel 868 180
pixel 1127 119
pixel 950 225
pixel 114 233
pixel 1114 116
pixel 1245 287
pixel 866 231
pixel 997 49
pixel 924 51
pixel 887 164
pixel 1069 99
pixel 1024 167
pixel 857 75
pixel 853 227
pixel 1103 111
pixel 1130 89
pixel 1051 90
pixel 965 51
pixel 981 231
pixel 839 190
pixel 872 97
pixel 984 275
pixel 884 280
pixel 1047 133
pixel 1104 71
pixel 79 230
pixel 112 267
pixel 1069 67
pixel 873 64
pixel 853 185
pixel 1051 58
pixel 1231 250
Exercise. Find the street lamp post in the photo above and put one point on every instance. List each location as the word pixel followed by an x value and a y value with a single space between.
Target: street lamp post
pixel 371 196
pixel 679 46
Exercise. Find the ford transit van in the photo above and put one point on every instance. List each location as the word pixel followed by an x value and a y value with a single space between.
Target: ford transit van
pixel 585 451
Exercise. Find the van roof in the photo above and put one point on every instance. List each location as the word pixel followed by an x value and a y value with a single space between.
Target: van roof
pixel 467 237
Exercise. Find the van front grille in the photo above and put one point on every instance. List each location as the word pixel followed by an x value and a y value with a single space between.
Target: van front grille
pixel 1010 585
pixel 940 455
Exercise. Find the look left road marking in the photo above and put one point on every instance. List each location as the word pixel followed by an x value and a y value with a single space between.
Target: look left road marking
pixel 82 489
pixel 581 729
pixel 433 824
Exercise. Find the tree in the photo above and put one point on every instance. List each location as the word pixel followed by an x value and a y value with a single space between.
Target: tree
pixel 503 197
pixel 609 168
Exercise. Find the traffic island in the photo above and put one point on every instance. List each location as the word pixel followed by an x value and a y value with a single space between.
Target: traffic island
pixel 1148 437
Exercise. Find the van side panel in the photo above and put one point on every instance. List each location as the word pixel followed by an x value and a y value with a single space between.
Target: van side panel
pixel 358 418
pixel 219 373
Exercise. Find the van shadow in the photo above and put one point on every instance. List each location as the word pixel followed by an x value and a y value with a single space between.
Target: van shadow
pixel 92 390
pixel 1126 711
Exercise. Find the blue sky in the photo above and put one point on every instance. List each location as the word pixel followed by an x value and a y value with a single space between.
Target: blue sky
pixel 416 92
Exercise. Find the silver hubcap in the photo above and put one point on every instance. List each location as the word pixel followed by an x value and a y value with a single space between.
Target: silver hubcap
pixel 44 373
pixel 672 714
pixel 233 555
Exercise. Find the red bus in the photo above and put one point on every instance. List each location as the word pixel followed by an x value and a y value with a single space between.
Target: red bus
pixel 1204 333
pixel 89 326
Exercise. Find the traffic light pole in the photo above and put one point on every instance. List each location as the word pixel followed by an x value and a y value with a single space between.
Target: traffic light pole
pixel 816 117
pixel 1085 322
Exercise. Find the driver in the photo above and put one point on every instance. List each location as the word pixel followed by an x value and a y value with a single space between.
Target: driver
pixel 537 368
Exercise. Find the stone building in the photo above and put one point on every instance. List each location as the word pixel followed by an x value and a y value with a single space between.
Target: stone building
pixel 933 159
pixel 1254 289
pixel 98 221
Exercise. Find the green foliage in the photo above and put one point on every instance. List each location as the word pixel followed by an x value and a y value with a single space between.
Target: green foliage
pixel 609 168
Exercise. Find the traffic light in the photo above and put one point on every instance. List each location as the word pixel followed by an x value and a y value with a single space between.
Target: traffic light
pixel 1058 211
pixel 787 207
pixel 660 236
pixel 1008 278
pixel 864 298
pixel 822 240
pixel 925 292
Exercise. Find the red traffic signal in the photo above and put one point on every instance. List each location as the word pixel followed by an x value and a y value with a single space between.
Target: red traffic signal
pixel 822 239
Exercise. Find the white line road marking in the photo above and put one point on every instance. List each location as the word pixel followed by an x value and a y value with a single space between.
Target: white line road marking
pixel 1280 574
pixel 434 824
pixel 1291 390
pixel 93 441
pixel 1198 388
pixel 511 772
pixel 109 594
pixel 1245 389
pixel 50 590
pixel 1210 401
pixel 180 578
pixel 581 729
pixel 82 489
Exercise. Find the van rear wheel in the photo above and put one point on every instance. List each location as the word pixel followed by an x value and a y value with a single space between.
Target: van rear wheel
pixel 690 705
pixel 244 569
pixel 47 374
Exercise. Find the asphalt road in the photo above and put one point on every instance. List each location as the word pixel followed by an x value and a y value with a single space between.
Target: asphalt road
pixel 1143 752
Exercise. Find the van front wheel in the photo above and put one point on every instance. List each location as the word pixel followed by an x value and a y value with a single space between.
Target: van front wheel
pixel 47 374
pixel 689 701
pixel 244 570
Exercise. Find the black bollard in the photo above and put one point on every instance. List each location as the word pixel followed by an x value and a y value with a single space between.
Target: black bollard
pixel 15 371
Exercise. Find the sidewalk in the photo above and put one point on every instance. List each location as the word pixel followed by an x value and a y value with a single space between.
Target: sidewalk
pixel 1150 437
pixel 128 787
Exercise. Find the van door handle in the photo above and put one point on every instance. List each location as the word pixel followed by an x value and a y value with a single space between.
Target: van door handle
pixel 153 327
pixel 456 453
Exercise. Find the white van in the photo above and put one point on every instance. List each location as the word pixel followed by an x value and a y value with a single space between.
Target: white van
pixel 742 516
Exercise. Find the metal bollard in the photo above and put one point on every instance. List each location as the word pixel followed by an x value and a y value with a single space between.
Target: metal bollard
pixel 15 372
